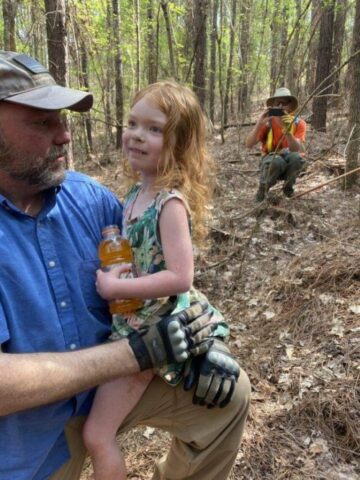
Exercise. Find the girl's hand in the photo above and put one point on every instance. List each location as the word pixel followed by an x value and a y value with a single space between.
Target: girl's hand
pixel 108 283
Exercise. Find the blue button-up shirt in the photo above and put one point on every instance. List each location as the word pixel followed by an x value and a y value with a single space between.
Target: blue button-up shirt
pixel 48 302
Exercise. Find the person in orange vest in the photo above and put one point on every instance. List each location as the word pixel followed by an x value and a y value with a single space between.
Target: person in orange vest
pixel 282 136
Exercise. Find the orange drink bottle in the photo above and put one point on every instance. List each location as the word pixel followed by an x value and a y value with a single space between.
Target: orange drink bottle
pixel 115 250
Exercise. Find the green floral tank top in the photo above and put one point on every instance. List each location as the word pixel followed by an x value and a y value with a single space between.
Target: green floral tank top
pixel 143 235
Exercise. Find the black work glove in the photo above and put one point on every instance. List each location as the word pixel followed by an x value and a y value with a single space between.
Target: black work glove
pixel 214 376
pixel 174 338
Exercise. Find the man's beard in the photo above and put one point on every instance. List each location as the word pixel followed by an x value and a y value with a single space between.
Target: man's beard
pixel 33 170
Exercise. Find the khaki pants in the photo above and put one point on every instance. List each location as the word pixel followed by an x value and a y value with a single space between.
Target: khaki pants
pixel 72 469
pixel 205 440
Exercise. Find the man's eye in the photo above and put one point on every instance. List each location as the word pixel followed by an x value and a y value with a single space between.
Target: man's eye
pixel 42 123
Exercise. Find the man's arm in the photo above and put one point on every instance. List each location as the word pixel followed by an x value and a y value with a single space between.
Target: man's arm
pixel 295 141
pixel 33 379
pixel 253 137
pixel 295 145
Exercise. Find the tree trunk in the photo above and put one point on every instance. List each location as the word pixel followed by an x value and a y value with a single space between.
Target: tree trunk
pixel 152 51
pixel 275 48
pixel 339 29
pixel 313 47
pixel 57 40
pixel 9 15
pixel 109 73
pixel 164 6
pixel 212 76
pixel 261 49
pixel 138 46
pixel 284 40
pixel 84 83
pixel 38 40
pixel 354 112
pixel 119 101
pixel 323 84
pixel 200 16
pixel 220 72
pixel 244 50
pixel 292 73
pixel 58 51
pixel 230 64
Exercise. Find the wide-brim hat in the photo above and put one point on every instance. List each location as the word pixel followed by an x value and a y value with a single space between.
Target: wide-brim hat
pixel 283 93
pixel 24 81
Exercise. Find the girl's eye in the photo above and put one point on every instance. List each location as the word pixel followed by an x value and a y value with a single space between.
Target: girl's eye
pixel 155 129
pixel 131 124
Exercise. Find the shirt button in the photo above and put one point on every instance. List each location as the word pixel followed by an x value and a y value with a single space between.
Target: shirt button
pixel 72 346
pixel 52 263
pixel 63 304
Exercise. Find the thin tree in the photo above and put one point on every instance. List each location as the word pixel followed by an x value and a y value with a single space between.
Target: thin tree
pixel 230 61
pixel 37 33
pixel 165 9
pixel 212 75
pixel 107 73
pixel 57 40
pixel 200 42
pixel 219 37
pixel 275 47
pixel 283 44
pixel 339 28
pixel 352 153
pixel 79 54
pixel 152 50
pixel 9 15
pixel 58 53
pixel 323 65
pixel 292 72
pixel 313 47
pixel 244 52
pixel 137 37
pixel 119 101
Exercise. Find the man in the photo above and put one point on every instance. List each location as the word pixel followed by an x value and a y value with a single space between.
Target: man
pixel 282 136
pixel 52 321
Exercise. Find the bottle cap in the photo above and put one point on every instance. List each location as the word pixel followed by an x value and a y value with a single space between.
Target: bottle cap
pixel 110 229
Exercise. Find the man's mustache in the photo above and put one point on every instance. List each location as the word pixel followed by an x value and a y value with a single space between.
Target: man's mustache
pixel 56 152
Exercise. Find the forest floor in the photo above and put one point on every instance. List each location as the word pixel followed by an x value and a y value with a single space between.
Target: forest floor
pixel 286 275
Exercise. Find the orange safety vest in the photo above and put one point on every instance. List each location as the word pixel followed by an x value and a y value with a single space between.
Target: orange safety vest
pixel 270 136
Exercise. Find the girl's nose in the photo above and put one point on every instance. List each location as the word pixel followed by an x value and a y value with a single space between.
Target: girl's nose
pixel 139 134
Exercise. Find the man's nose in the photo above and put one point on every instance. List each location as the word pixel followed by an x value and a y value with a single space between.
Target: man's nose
pixel 62 136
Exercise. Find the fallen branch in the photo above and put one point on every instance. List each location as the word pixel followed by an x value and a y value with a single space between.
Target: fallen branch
pixel 325 183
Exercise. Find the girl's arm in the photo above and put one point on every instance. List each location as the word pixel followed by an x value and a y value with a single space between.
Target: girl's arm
pixel 179 273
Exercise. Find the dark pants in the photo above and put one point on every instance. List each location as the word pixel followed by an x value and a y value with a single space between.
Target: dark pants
pixel 285 167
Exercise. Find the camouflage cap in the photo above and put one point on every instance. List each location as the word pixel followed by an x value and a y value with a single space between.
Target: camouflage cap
pixel 23 80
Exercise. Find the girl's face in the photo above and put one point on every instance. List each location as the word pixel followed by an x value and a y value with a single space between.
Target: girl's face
pixel 143 140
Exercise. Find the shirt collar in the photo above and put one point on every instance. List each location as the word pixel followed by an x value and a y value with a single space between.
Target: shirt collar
pixel 49 203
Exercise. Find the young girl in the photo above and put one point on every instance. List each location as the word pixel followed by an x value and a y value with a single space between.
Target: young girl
pixel 165 149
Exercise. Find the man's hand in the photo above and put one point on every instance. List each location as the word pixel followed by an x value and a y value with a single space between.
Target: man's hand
pixel 286 122
pixel 214 376
pixel 174 338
